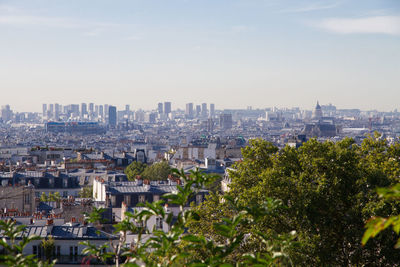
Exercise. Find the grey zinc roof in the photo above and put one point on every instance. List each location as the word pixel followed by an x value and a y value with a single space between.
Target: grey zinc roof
pixel 66 232
pixel 156 187
pixel 125 189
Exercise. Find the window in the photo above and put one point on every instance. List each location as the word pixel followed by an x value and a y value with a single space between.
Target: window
pixel 39 249
pixel 65 194
pixel 156 198
pixel 65 183
pixel 71 251
pixel 127 199
pixel 27 199
pixel 142 198
pixel 76 251
pixel 34 250
pixel 140 224
pixel 58 248
pixel 159 223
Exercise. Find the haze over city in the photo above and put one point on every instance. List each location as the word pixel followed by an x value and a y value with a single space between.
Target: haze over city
pixel 235 53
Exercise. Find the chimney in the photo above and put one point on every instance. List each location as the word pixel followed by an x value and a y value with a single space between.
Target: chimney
pixel 49 226
pixel 84 229
pixel 123 210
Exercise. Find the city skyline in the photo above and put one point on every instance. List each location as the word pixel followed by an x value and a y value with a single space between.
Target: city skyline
pixel 100 107
pixel 232 53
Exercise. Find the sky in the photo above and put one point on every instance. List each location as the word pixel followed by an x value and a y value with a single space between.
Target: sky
pixel 234 53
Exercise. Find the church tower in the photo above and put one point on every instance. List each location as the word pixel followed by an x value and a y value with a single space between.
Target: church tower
pixel 317 113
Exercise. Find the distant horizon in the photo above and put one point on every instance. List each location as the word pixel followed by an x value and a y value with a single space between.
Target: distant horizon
pixel 133 108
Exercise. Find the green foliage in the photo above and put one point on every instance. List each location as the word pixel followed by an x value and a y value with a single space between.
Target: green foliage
pixel 157 171
pixel 86 192
pixel 48 247
pixel 13 248
pixel 180 248
pixel 134 169
pixel 376 225
pixel 44 197
pixel 328 190
pixel 56 196
pixel 288 207
pixel 51 197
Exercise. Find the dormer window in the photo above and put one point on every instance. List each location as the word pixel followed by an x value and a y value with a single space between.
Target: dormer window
pixel 159 223
pixel 127 200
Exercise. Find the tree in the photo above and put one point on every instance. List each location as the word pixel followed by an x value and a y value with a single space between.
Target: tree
pixel 57 196
pixel 134 169
pixel 48 247
pixel 44 197
pixel 157 171
pixel 86 192
pixel 328 190
pixel 376 225
pixel 179 248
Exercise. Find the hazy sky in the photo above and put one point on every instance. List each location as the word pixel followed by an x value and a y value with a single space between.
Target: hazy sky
pixel 234 53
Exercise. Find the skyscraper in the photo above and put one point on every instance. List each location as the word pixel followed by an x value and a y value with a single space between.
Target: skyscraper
pixel 6 113
pixel 101 112
pixel 75 110
pixel 50 113
pixel 91 108
pixel 212 110
pixel 160 108
pixel 204 111
pixel 57 111
pixel 189 111
pixel 167 107
pixel 44 110
pixel 83 109
pixel 112 116
pixel 198 110
pixel 105 110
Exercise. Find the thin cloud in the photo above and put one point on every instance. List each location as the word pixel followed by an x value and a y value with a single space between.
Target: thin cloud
pixel 370 25
pixel 311 7
pixel 133 38
pixel 13 16
pixel 94 32
pixel 38 20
